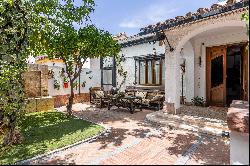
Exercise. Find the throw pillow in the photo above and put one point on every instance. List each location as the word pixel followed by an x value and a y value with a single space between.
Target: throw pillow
pixel 99 94
pixel 157 97
pixel 141 94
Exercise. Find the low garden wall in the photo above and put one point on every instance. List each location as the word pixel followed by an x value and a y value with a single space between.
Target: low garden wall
pixel 40 104
pixel 62 100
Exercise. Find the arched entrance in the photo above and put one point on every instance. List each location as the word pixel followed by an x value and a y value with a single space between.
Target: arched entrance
pixel 202 37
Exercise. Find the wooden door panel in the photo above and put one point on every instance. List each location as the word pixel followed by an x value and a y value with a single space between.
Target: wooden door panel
pixel 245 80
pixel 217 95
pixel 216 75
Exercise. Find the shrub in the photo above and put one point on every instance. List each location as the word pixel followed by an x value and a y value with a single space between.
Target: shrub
pixel 198 101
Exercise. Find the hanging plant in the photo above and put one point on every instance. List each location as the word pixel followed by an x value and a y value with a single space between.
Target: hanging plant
pixel 62 72
pixel 51 74
pixel 88 72
pixel 84 84
pixel 65 80
pixel 56 85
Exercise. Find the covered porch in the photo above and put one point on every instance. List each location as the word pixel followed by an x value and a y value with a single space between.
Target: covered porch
pixel 207 60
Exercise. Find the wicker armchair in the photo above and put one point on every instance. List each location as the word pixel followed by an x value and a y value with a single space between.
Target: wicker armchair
pixel 98 97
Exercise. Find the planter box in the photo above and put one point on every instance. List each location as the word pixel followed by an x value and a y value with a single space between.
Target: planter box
pixel 65 84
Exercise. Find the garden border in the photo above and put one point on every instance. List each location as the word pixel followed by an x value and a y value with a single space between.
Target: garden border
pixel 106 130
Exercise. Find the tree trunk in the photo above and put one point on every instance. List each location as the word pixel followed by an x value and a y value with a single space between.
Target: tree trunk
pixel 9 137
pixel 71 99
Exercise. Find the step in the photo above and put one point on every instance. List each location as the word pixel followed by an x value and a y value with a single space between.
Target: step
pixel 193 120
pixel 187 124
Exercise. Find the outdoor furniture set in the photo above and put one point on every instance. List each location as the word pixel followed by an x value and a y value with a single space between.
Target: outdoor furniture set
pixel 131 99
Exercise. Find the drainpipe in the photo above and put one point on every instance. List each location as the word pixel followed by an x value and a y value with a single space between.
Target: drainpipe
pixel 79 84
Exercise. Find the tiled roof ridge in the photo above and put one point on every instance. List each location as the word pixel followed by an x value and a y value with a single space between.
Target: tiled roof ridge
pixel 201 12
pixel 178 20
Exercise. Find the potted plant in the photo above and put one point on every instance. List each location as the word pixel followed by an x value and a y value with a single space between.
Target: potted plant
pixel 65 82
pixel 84 84
pixel 56 85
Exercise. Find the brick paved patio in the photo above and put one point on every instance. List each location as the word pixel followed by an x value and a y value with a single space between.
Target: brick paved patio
pixel 133 141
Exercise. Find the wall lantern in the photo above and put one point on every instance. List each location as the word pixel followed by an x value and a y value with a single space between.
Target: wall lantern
pixel 183 65
pixel 123 58
pixel 200 61
pixel 154 50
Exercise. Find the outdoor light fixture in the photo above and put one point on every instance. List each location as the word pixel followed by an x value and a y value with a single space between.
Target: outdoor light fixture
pixel 200 61
pixel 154 49
pixel 183 65
pixel 183 68
pixel 123 58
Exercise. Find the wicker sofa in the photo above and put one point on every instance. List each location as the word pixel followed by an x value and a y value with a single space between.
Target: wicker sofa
pixel 152 99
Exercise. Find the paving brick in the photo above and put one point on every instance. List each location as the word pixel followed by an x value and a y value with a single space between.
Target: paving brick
pixel 134 142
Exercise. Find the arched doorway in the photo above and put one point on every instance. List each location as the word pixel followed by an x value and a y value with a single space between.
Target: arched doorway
pixel 202 37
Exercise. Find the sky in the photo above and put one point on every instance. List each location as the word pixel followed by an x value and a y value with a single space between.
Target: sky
pixel 129 16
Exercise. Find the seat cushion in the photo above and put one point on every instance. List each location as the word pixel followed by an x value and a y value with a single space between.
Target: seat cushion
pixel 143 101
pixel 151 95
pixel 141 94
pixel 99 94
pixel 157 98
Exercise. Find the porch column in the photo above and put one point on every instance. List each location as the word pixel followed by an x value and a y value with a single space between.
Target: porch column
pixel 172 82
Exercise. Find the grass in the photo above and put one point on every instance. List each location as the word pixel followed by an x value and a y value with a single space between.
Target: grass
pixel 47 131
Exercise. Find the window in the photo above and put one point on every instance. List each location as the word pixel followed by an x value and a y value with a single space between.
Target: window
pixel 142 72
pixel 151 72
pixel 217 71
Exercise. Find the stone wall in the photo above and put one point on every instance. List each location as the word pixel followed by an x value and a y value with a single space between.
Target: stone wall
pixel 36 80
pixel 40 104
pixel 62 100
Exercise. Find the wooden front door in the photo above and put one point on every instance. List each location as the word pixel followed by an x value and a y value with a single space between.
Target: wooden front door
pixel 245 74
pixel 216 75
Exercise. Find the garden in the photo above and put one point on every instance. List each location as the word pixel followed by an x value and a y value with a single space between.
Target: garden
pixel 44 27
pixel 43 132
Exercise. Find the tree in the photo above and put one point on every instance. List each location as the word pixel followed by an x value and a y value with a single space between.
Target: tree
pixel 15 29
pixel 245 17
pixel 60 39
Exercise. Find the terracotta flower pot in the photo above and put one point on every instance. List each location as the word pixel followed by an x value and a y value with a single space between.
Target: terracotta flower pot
pixel 65 84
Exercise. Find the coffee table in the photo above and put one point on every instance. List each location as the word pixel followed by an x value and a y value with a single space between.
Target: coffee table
pixel 128 102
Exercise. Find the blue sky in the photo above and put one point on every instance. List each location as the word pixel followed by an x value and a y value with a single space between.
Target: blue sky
pixel 129 16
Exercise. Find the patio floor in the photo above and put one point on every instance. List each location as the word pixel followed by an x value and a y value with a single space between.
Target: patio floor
pixel 133 141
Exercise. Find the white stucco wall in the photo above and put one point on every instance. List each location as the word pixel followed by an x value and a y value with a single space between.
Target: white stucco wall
pixel 92 79
pixel 129 64
pixel 239 148
pixel 188 55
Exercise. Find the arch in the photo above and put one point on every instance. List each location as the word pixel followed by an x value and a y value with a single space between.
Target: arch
pixel 193 33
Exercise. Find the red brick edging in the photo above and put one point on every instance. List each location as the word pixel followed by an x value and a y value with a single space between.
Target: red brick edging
pixel 62 100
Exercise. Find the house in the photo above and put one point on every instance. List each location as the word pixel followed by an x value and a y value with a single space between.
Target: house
pixel 200 54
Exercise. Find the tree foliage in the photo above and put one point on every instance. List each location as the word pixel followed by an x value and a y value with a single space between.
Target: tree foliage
pixel 245 17
pixel 15 28
pixel 59 37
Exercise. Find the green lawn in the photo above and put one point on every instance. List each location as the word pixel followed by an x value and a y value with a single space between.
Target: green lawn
pixel 46 131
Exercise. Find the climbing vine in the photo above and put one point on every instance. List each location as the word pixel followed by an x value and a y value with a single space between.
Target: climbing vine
pixel 120 70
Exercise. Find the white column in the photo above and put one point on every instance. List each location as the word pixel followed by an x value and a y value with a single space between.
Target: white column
pixel 172 81
pixel 239 148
